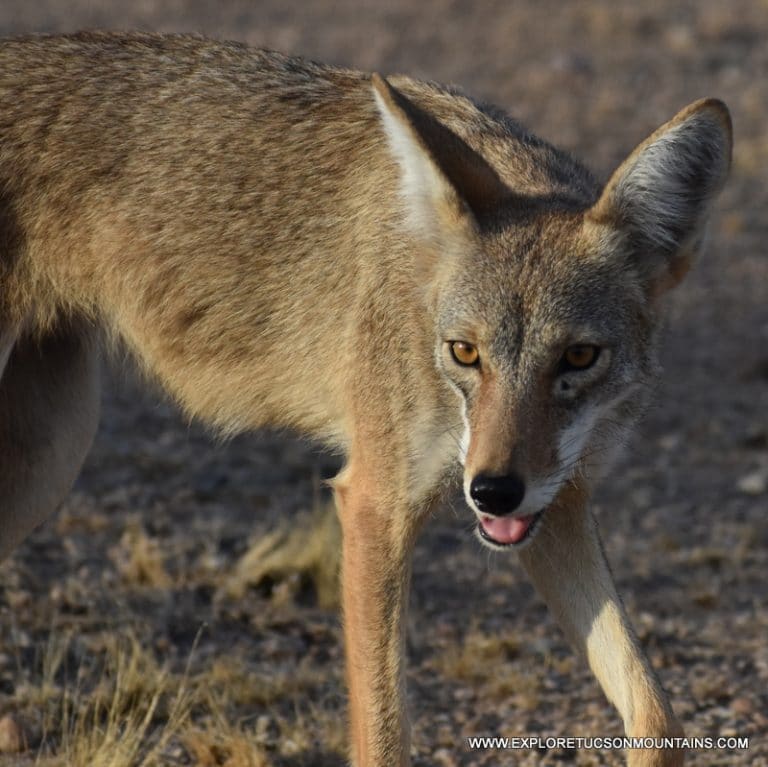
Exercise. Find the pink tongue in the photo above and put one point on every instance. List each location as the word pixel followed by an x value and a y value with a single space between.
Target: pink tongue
pixel 506 529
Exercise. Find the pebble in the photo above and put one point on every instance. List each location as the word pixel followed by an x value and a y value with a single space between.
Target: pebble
pixel 12 738
pixel 445 757
pixel 670 442
pixel 754 483
pixel 742 706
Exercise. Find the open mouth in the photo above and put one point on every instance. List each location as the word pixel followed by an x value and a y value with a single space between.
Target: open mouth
pixel 505 532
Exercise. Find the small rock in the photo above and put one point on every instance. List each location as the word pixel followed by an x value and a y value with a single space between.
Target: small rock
pixel 463 693
pixel 267 733
pixel 445 757
pixel 679 37
pixel 670 442
pixel 12 739
pixel 754 483
pixel 743 706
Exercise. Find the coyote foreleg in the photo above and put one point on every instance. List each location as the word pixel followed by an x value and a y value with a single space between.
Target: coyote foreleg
pixel 568 567
pixel 376 566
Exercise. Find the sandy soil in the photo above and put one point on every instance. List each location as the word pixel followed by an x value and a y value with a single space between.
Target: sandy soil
pixel 162 515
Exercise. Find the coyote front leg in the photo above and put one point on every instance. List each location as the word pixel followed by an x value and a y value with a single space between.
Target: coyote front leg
pixel 568 567
pixel 376 565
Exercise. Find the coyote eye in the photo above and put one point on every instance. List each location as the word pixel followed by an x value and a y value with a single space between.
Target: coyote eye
pixel 464 353
pixel 580 357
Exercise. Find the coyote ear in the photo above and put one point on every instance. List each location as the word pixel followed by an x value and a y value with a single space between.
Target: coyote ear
pixel 660 195
pixel 444 181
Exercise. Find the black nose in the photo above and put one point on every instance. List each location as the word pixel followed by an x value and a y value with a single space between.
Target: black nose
pixel 497 495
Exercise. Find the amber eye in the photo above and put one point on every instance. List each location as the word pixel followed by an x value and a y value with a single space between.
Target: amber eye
pixel 464 353
pixel 580 356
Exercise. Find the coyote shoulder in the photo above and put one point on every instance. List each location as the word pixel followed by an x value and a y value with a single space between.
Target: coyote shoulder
pixel 382 264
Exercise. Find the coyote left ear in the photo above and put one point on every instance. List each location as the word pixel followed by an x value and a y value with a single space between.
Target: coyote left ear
pixel 445 183
pixel 660 196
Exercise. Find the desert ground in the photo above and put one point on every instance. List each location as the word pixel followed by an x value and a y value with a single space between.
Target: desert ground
pixel 178 609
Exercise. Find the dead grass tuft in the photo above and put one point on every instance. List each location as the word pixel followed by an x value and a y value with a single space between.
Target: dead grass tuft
pixel 128 720
pixel 228 678
pixel 139 558
pixel 309 545
pixel 217 746
pixel 127 709
pixel 271 742
pixel 491 662
pixel 478 656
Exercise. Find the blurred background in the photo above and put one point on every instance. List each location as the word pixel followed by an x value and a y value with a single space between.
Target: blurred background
pixel 167 602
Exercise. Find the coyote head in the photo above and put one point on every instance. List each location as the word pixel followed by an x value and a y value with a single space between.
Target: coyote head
pixel 545 289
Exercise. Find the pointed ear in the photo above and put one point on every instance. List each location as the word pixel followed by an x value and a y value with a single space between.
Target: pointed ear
pixel 445 184
pixel 661 194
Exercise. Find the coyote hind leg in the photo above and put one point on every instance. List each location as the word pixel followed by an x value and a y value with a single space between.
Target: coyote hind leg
pixel 49 406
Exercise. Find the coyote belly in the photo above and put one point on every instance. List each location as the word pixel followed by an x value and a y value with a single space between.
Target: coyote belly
pixel 381 264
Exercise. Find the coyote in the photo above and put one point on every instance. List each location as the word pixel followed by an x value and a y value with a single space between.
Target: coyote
pixel 383 265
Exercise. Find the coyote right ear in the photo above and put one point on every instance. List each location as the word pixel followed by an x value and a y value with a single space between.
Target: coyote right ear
pixel 444 181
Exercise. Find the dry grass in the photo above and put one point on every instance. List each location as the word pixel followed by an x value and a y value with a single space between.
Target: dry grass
pixel 219 745
pixel 117 722
pixel 139 558
pixel 229 678
pixel 496 665
pixel 309 546
pixel 478 656
pixel 270 742
pixel 129 710
pixel 99 700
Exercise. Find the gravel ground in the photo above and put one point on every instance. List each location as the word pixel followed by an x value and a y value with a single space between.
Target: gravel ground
pixel 162 514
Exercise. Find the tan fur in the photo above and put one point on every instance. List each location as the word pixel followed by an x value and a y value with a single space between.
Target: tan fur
pixel 283 243
pixel 567 565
